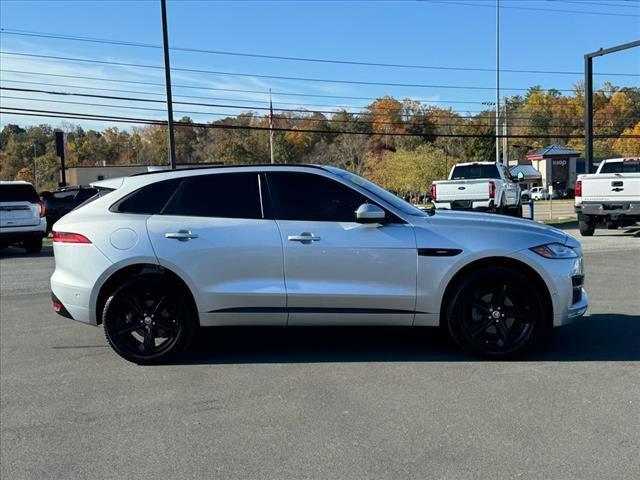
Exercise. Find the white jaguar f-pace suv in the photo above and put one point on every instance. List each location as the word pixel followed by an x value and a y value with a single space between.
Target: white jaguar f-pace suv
pixel 164 253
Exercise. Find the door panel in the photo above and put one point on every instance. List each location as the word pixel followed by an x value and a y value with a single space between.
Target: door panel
pixel 336 270
pixel 211 232
pixel 364 274
pixel 234 266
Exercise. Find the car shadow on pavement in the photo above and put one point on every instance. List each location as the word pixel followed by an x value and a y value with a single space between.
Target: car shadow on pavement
pixel 600 337
pixel 17 252
pixel 622 232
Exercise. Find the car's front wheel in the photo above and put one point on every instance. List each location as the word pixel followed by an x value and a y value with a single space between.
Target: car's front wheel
pixel 147 320
pixel 33 245
pixel 494 312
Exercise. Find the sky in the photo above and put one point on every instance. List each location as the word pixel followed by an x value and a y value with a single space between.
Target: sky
pixel 550 35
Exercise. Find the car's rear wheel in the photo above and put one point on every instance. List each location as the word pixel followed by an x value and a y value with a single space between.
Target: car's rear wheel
pixel 495 312
pixel 586 227
pixel 147 320
pixel 516 211
pixel 33 245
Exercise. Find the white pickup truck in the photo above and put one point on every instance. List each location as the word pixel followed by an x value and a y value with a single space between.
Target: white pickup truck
pixel 478 186
pixel 611 196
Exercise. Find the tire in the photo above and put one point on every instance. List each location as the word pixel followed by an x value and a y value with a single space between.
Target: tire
pixel 33 245
pixel 586 228
pixel 516 211
pixel 147 321
pixel 495 313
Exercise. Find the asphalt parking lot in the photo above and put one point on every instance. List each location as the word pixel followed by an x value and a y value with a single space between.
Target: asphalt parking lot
pixel 324 403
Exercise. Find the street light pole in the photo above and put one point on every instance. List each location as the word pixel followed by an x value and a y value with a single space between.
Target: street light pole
pixel 167 76
pixel 498 81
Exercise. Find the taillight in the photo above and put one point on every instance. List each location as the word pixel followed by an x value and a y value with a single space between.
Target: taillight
pixel 578 191
pixel 492 189
pixel 68 237
pixel 43 209
pixel 433 192
pixel 57 306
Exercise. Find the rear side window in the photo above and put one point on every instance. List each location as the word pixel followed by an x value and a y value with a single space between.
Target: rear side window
pixel 148 200
pixel 225 195
pixel 305 196
pixel 18 193
pixel 626 166
pixel 468 172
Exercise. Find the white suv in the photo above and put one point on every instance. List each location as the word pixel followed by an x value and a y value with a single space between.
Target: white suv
pixel 22 216
pixel 166 252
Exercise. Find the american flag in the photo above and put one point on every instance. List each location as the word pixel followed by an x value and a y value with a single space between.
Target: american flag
pixel 271 127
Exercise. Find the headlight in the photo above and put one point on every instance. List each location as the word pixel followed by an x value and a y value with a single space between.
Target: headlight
pixel 555 250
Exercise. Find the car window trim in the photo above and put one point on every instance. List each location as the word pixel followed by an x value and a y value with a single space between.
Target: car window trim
pixel 183 182
pixel 273 213
pixel 116 205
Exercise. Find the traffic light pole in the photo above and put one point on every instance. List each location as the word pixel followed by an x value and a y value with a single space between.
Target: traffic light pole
pixel 588 97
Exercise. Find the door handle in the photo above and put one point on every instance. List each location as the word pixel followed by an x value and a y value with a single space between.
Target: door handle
pixel 181 235
pixel 304 237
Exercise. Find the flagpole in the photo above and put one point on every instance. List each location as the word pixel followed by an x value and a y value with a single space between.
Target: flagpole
pixel 271 127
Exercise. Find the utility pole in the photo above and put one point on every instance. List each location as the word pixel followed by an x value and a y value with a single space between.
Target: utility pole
pixel 498 81
pixel 35 168
pixel 167 76
pixel 588 97
pixel 271 128
pixel 61 147
pixel 505 133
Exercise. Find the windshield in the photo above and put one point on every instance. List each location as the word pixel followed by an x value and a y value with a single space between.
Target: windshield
pixel 626 166
pixel 469 172
pixel 380 193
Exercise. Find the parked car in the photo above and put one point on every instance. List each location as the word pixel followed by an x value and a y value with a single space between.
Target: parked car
pixel 22 216
pixel 611 196
pixel 539 193
pixel 478 186
pixel 63 200
pixel 168 252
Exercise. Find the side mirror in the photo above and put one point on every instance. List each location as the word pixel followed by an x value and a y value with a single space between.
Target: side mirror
pixel 369 213
pixel 520 176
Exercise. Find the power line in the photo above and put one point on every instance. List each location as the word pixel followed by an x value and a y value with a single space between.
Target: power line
pixel 425 121
pixel 81 116
pixel 271 77
pixel 452 116
pixel 57 36
pixel 194 87
pixel 214 98
pixel 610 4
pixel 539 9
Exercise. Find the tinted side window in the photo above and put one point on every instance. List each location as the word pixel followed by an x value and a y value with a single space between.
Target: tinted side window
pixel 627 166
pixel 18 193
pixel 305 196
pixel 466 172
pixel 148 200
pixel 226 195
pixel 85 194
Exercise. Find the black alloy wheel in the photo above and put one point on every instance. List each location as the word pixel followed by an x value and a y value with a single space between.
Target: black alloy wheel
pixel 147 320
pixel 495 312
